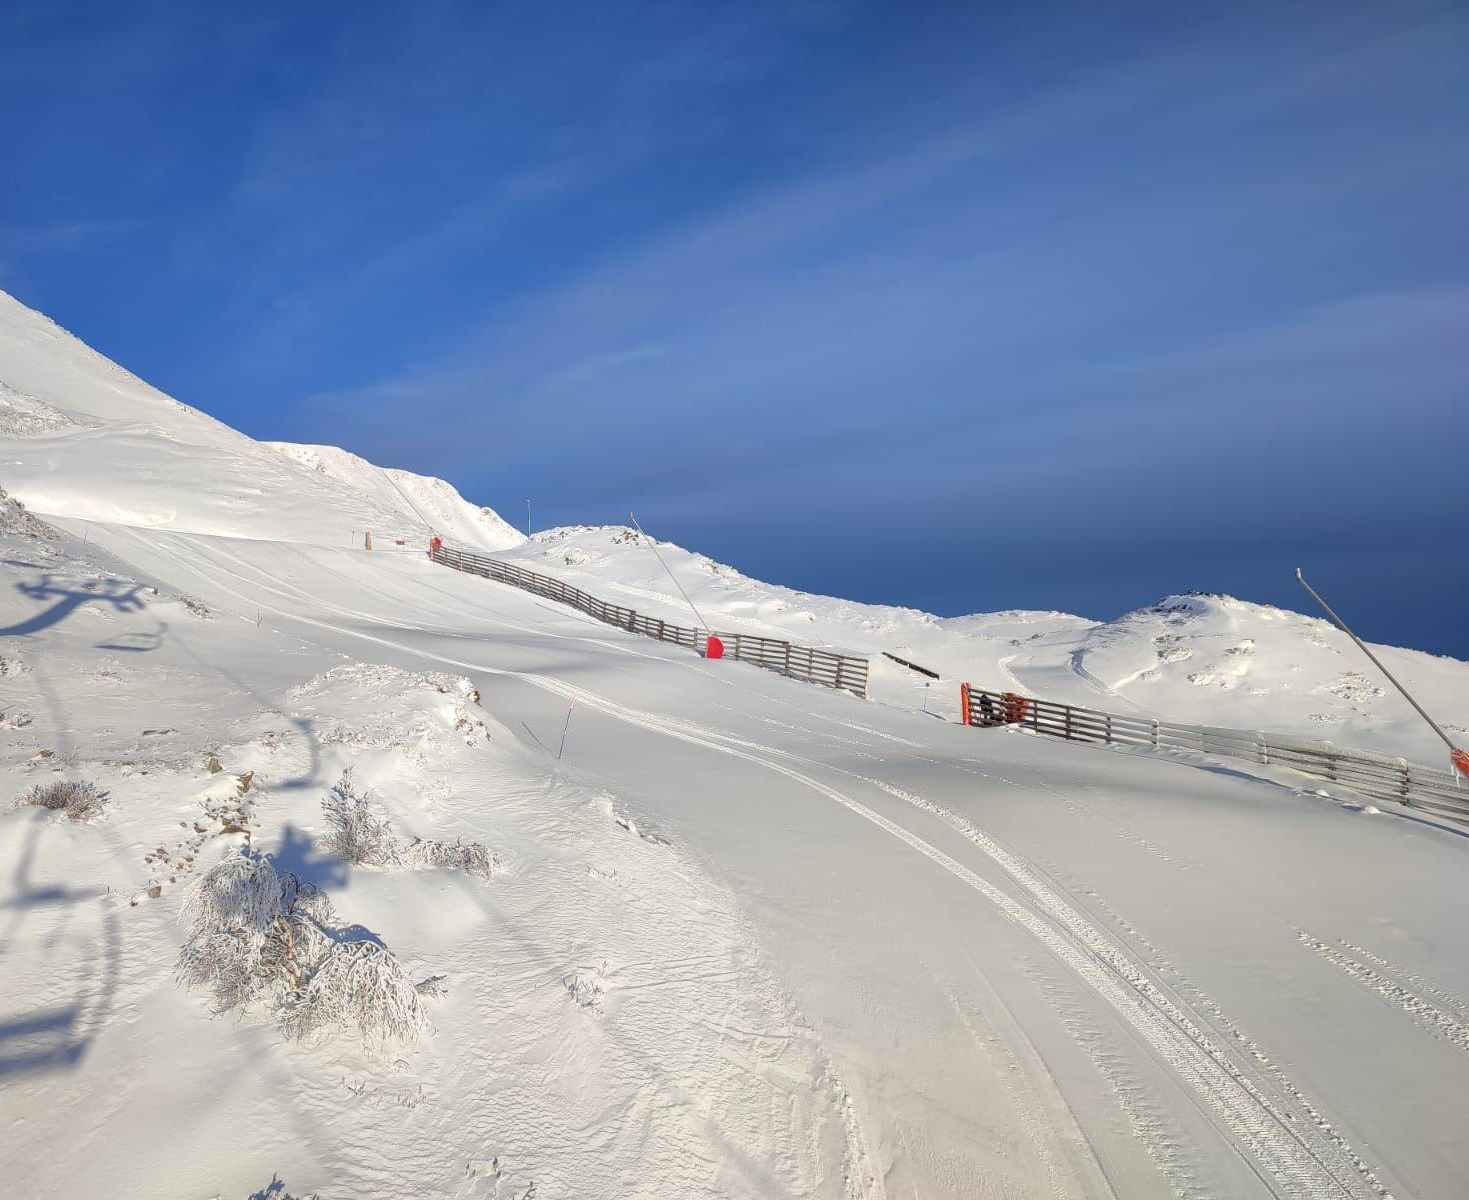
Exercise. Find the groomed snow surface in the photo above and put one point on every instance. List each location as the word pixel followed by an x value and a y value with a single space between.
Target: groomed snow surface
pixel 730 935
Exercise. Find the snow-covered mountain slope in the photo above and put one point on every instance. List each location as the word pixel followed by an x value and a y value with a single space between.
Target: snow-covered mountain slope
pixel 206 734
pixel 430 504
pixel 82 438
pixel 1192 659
pixel 741 937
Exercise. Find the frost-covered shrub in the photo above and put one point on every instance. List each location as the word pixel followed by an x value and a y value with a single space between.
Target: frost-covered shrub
pixel 79 799
pixel 265 938
pixel 358 983
pixel 243 892
pixel 356 831
pixel 360 834
pixel 241 944
pixel 473 858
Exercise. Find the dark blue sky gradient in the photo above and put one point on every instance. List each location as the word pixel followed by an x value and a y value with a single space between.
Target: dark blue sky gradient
pixel 960 306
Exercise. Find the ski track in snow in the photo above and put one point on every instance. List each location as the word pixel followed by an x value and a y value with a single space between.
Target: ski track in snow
pixel 1078 668
pixel 1004 667
pixel 1293 1148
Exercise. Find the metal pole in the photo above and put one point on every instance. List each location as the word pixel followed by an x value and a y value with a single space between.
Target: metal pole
pixel 1362 646
pixel 671 575
pixel 564 728
pixel 527 518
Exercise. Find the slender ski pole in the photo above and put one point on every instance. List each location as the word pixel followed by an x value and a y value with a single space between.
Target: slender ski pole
pixel 671 575
pixel 1458 757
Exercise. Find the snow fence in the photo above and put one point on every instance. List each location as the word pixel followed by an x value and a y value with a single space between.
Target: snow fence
pixel 1379 776
pixel 825 667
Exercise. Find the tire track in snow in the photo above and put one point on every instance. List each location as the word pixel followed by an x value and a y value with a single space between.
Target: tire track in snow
pixel 1262 1123
pixel 1296 1158
pixel 1424 1012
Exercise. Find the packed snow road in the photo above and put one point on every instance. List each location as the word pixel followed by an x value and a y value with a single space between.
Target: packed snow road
pixel 1039 969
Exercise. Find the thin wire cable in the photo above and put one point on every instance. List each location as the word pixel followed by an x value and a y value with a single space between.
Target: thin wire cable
pixel 1362 646
pixel 427 524
pixel 671 575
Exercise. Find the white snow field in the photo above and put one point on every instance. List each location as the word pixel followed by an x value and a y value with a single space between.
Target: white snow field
pixel 742 936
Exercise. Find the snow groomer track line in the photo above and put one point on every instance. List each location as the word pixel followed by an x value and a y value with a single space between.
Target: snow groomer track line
pixel 826 667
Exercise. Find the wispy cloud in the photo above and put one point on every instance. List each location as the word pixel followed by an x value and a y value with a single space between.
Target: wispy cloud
pixel 905 281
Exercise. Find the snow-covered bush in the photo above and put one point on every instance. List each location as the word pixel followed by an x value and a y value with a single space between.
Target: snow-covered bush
pixel 473 858
pixel 358 983
pixel 357 832
pixel 79 799
pixel 360 834
pixel 262 937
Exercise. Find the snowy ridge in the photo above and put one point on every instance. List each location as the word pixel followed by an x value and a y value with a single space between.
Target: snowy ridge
pixel 421 502
pixel 83 439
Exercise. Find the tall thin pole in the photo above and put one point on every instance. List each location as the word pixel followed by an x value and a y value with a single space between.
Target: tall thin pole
pixel 1362 646
pixel 654 548
pixel 564 728
pixel 527 517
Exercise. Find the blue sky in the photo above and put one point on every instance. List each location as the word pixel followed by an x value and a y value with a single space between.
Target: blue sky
pixel 962 306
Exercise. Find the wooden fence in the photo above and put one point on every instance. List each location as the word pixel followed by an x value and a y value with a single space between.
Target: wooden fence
pixel 799 662
pixel 1442 793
